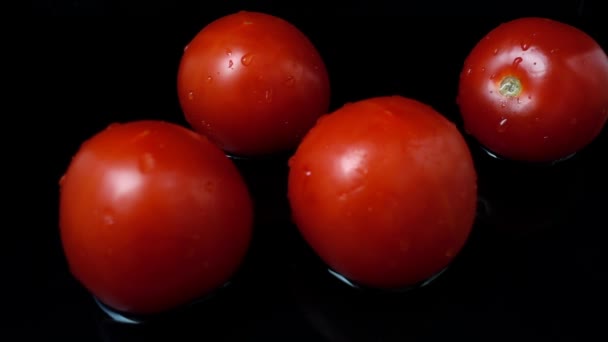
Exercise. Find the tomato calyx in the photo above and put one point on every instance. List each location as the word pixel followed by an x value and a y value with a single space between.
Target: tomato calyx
pixel 510 86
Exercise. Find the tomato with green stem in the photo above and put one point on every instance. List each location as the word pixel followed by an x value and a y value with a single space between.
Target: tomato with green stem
pixel 535 90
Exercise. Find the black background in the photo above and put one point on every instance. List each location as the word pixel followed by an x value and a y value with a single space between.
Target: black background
pixel 534 268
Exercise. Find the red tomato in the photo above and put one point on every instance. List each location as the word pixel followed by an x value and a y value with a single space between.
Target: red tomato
pixel 384 190
pixel 535 90
pixel 253 83
pixel 152 216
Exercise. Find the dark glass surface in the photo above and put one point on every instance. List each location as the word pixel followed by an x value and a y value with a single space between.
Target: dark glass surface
pixel 534 267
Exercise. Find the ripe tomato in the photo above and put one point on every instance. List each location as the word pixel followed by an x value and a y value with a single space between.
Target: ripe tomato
pixel 253 83
pixel 384 190
pixel 152 216
pixel 535 90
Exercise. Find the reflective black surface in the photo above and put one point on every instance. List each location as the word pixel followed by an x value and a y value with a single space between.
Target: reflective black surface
pixel 533 269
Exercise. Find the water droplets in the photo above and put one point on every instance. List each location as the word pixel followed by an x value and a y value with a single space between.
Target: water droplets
pixel 247 59
pixel 186 47
pixel 190 95
pixel 209 186
pixel 112 125
pixel 495 52
pixel 290 81
pixel 517 61
pixel 230 64
pixel 108 217
pixel 228 52
pixel 502 125
pixel 553 50
pixel 206 124
pixel 493 76
pixel 209 79
pixel 469 71
pixel 268 95
pixel 483 69
pixel 146 162
pixel 525 46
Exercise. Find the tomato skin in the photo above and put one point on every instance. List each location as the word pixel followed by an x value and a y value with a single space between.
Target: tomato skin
pixel 384 190
pixel 253 83
pixel 563 103
pixel 153 216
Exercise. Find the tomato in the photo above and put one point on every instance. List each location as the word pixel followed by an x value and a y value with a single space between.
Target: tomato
pixel 535 90
pixel 253 83
pixel 153 216
pixel 384 190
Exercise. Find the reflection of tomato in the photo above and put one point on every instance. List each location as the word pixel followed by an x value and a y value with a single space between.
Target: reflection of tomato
pixel 384 190
pixel 152 216
pixel 535 90
pixel 253 83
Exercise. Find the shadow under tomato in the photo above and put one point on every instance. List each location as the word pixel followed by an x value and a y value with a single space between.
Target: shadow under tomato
pixel 521 199
pixel 341 313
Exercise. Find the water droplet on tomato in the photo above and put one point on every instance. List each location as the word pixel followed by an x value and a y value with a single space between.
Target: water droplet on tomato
pixel 554 50
pixel 268 95
pixel 61 180
pixel 518 100
pixel 495 52
pixel 141 135
pixel 525 46
pixel 209 186
pixel 230 64
pixel 469 71
pixel 503 104
pixel 290 81
pixel 146 162
pixel 186 48
pixel 493 76
pixel 307 173
pixel 209 79
pixel 190 95
pixel 483 69
pixel 502 125
pixel 247 59
pixel 546 137
pixel 388 113
pixel 113 125
pixel 107 217
pixel 516 61
pixel 228 52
